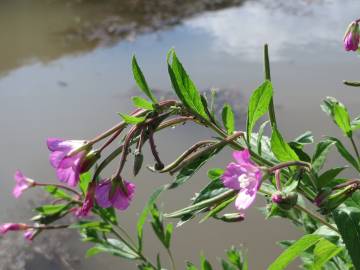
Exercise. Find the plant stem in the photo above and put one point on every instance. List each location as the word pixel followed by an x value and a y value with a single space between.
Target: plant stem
pixel 134 249
pixel 355 148
pixel 268 77
pixel 173 265
pixel 315 216
pixel 58 186
pixel 288 164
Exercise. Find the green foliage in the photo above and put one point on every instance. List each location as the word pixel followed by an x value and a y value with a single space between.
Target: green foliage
pixel 129 119
pixel 184 87
pixel 142 103
pixel 164 234
pixel 295 250
pixel 348 222
pixel 339 114
pixel 84 182
pixel 140 80
pixel 57 193
pixel 280 148
pixel 258 105
pixel 114 247
pixel 320 155
pixel 345 153
pixel 228 118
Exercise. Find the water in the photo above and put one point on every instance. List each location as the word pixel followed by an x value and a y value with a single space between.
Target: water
pixel 65 72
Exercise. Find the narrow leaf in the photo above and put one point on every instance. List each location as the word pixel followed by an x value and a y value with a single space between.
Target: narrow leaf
pixel 140 80
pixel 142 103
pixel 258 105
pixel 294 251
pixel 184 86
pixel 280 148
pixel 132 119
pixel 228 118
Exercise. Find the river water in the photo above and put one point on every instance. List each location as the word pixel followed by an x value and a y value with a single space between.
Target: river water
pixel 65 72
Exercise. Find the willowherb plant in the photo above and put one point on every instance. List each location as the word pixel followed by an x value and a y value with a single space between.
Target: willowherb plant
pixel 292 180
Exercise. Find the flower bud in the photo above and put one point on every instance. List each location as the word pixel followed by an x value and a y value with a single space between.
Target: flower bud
pixel 329 199
pixel 285 201
pixel 89 160
pixel 138 161
pixel 233 217
pixel 352 37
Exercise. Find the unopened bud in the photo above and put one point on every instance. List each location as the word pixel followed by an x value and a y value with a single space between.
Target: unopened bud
pixel 138 162
pixel 233 217
pixel 285 201
pixel 89 160
pixel 329 199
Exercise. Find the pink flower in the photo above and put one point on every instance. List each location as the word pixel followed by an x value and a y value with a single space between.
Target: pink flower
pixel 352 37
pixel 7 227
pixel 118 198
pixel 30 234
pixel 22 184
pixel 68 168
pixel 244 176
pixel 88 203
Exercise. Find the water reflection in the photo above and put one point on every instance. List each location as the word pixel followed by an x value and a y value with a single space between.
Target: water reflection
pixel 43 31
pixel 289 26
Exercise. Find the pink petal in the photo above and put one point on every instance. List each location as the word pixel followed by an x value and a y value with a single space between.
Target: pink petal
pixel 122 201
pixel 245 199
pixel 68 175
pixel 242 156
pixel 56 158
pixel 54 144
pixel 230 176
pixel 102 194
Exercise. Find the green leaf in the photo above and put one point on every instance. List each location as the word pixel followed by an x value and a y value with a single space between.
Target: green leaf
pixel 215 173
pixel 142 103
pixel 205 265
pixel 319 157
pixel 348 222
pixel 258 105
pixel 140 80
pixel 190 266
pixel 280 148
pixel 57 193
pixel 305 138
pixel 354 200
pixel 260 137
pixel 228 118
pixel 323 252
pixel 107 214
pixel 96 225
pixel 189 170
pixel 235 256
pixel 168 233
pixel 184 87
pixel 113 246
pixel 355 123
pixel 51 209
pixel 144 215
pixel 212 189
pixel 339 114
pixel 327 177
pixel 345 153
pixel 218 209
pixel 227 266
pixel 295 250
pixel 84 182
pixel 129 119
